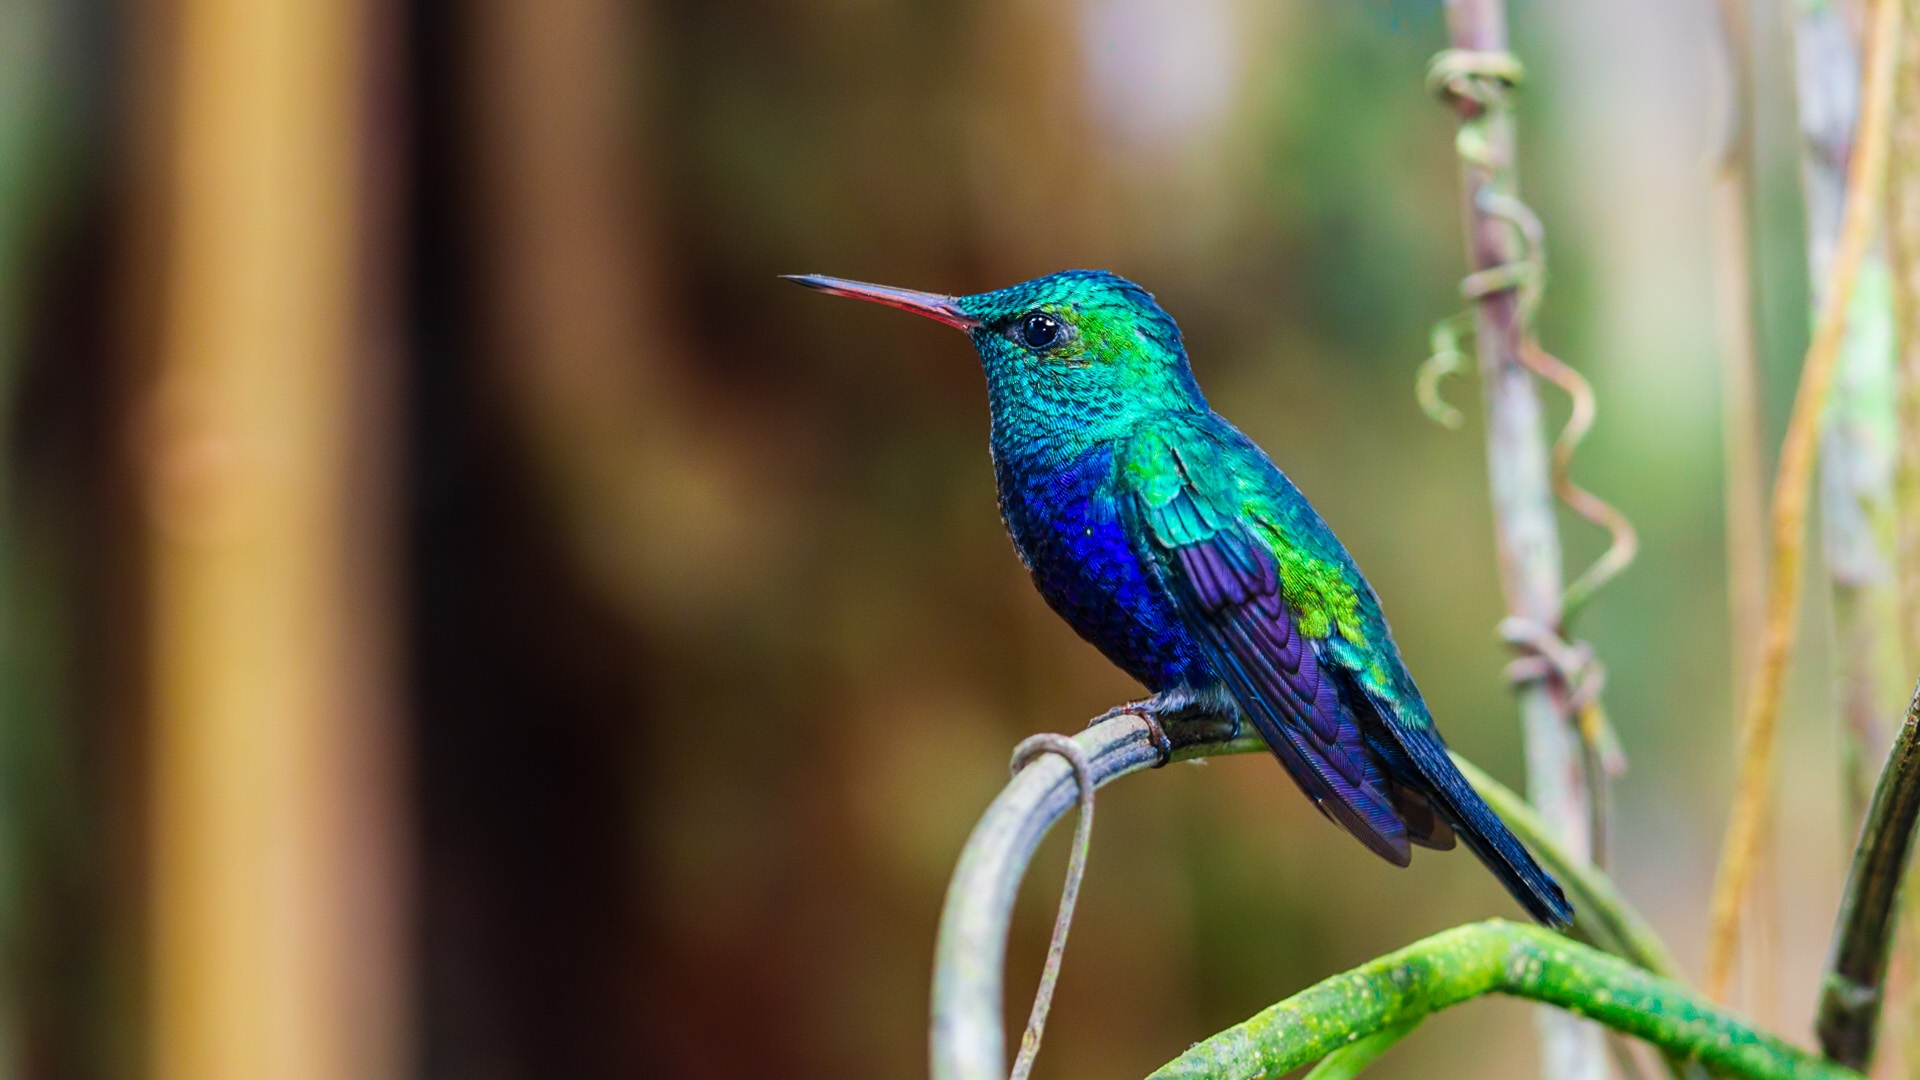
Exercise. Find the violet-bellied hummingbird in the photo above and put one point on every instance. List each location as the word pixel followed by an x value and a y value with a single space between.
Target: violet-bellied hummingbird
pixel 1174 544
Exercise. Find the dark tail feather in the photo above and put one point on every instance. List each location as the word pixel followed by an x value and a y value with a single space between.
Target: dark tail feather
pixel 1487 836
pixel 1426 826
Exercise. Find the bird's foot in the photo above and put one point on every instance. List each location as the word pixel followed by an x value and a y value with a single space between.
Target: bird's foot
pixel 1137 708
pixel 1180 703
pixel 1145 710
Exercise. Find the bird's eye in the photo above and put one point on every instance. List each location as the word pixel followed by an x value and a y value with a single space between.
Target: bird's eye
pixel 1040 330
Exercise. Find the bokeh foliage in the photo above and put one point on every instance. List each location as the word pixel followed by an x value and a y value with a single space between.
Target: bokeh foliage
pixel 715 644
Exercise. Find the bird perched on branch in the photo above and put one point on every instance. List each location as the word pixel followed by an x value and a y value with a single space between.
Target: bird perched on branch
pixel 1174 545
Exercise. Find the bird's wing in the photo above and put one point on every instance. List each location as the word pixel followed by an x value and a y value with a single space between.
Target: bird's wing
pixel 1214 551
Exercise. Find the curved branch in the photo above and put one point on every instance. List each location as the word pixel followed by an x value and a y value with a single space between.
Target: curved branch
pixel 1863 935
pixel 1494 957
pixel 967 1039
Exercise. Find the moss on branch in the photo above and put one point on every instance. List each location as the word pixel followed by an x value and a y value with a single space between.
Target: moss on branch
pixel 1494 957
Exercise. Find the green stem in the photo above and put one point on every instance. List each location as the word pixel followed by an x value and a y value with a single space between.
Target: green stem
pixel 1350 1060
pixel 1494 957
pixel 1850 995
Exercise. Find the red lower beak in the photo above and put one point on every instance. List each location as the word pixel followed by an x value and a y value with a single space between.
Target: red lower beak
pixel 934 306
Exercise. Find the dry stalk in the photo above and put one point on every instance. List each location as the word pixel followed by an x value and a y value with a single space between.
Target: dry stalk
pixel 1791 493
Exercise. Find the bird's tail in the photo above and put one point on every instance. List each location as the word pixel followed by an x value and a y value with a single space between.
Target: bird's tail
pixel 1488 836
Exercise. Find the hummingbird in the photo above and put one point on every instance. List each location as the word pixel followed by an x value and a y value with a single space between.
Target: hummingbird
pixel 1173 544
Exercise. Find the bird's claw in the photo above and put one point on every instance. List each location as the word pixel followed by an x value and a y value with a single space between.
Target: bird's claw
pixel 1147 710
pixel 1160 740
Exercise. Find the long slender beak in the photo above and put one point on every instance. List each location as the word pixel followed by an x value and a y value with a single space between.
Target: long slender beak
pixel 944 309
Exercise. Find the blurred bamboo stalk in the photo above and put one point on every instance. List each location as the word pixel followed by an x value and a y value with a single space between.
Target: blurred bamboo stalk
pixel 587 351
pixel 35 742
pixel 1792 483
pixel 1903 245
pixel 1857 443
pixel 1525 532
pixel 1730 203
pixel 1903 236
pixel 1731 206
pixel 275 930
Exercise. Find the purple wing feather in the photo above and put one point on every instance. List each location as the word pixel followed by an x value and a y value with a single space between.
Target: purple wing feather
pixel 1388 783
pixel 1232 589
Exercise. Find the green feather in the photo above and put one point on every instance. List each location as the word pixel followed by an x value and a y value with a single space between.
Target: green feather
pixel 1195 485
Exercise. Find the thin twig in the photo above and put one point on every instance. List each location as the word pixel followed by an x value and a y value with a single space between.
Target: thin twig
pixel 1495 957
pixel 1863 935
pixel 1739 368
pixel 1476 74
pixel 1730 202
pixel 1624 544
pixel 1903 248
pixel 1574 664
pixel 1791 492
pixel 1049 743
pixel 1531 278
pixel 1602 759
pixel 1856 450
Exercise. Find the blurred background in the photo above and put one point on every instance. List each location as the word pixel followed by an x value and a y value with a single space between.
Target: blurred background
pixel 462 617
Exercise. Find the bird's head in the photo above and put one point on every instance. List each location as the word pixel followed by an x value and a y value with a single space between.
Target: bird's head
pixel 1080 347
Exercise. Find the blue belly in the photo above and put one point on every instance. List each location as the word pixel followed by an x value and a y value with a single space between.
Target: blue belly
pixel 1064 518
